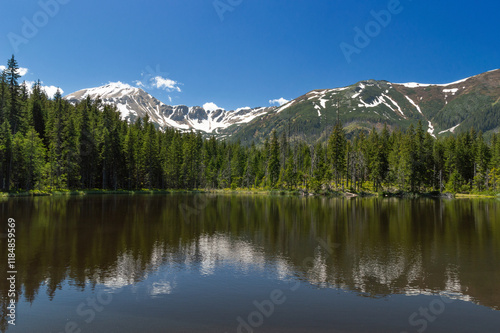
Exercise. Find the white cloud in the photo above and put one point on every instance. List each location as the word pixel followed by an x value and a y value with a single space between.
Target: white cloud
pixel 165 84
pixel 29 84
pixel 22 71
pixel 279 101
pixel 211 107
pixel 49 90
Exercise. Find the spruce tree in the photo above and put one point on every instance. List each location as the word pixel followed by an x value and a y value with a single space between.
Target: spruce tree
pixel 5 155
pixel 273 165
pixel 12 72
pixel 337 153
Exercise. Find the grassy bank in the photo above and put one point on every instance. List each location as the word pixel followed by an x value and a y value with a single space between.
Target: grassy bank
pixel 92 192
pixel 260 191
pixel 484 196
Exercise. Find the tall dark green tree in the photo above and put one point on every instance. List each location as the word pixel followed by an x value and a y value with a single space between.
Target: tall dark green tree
pixel 5 155
pixel 273 165
pixel 337 153
pixel 12 73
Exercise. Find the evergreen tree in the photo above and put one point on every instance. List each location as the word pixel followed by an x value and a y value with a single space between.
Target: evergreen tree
pixel 38 111
pixel 273 165
pixel 57 176
pixel 70 153
pixel 12 73
pixel 5 155
pixel 337 153
pixel 173 162
pixel 4 97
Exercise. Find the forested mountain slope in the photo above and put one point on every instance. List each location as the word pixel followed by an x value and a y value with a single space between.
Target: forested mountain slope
pixel 447 108
pixel 51 144
pixel 443 108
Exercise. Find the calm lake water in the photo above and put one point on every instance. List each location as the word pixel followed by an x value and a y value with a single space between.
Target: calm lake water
pixel 237 263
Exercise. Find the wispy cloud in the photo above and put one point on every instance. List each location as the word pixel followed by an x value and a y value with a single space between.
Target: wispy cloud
pixel 165 84
pixel 279 101
pixel 22 71
pixel 157 80
pixel 139 84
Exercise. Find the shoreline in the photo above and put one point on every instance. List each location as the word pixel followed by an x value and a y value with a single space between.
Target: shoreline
pixel 339 194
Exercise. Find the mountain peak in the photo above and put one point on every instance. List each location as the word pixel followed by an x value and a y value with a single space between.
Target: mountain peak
pixel 133 103
pixel 110 90
pixel 361 106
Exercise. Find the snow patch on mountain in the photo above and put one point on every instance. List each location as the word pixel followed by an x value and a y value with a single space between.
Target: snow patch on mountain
pixel 285 106
pixel 417 85
pixel 452 130
pixel 452 91
pixel 414 104
pixel 395 104
pixel 431 129
pixel 133 103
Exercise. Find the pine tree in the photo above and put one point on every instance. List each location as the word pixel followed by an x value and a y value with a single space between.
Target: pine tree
pixel 5 155
pixel 70 153
pixel 290 173
pixel 57 176
pixel 38 111
pixel 320 167
pixel 4 97
pixel 438 158
pixel 238 163
pixel 19 172
pixel 12 72
pixel 29 159
pixel 88 145
pixel 131 156
pixel 273 165
pixel 149 155
pixel 337 153
pixel 173 162
pixel 481 163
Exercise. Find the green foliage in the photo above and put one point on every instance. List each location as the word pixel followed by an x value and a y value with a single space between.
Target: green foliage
pixel 461 108
pixel 51 145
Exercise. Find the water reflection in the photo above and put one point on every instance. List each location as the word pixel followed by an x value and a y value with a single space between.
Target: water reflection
pixel 377 247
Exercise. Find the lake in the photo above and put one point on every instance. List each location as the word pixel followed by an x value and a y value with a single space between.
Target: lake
pixel 251 263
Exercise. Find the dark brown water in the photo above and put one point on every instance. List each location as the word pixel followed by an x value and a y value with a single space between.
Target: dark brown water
pixel 206 263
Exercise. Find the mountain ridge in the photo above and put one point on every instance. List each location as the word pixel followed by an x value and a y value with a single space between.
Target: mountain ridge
pixel 366 104
pixel 134 102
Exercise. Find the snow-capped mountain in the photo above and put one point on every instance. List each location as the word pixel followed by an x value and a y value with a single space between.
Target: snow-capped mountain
pixel 442 109
pixel 133 102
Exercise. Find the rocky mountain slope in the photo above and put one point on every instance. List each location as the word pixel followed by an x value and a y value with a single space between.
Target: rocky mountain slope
pixel 443 109
pixel 134 102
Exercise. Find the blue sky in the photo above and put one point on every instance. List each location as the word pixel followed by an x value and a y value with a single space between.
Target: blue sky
pixel 238 53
